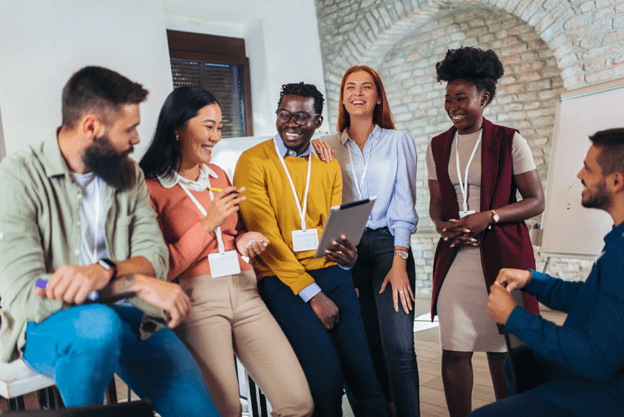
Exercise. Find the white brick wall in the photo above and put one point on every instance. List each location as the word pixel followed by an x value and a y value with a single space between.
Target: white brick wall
pixel 546 46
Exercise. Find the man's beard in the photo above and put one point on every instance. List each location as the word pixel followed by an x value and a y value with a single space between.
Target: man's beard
pixel 115 169
pixel 599 198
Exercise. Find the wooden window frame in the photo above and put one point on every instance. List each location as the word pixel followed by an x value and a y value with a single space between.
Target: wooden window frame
pixel 215 49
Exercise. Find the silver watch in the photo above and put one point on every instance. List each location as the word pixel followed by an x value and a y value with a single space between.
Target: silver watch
pixel 401 253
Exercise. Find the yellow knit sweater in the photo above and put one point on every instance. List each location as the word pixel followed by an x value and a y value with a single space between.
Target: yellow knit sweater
pixel 270 208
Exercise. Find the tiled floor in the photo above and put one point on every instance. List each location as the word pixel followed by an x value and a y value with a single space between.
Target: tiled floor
pixel 432 401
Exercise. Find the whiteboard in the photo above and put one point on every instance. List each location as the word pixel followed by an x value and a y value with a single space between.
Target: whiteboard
pixel 569 229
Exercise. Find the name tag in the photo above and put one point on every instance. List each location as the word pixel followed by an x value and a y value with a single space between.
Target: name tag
pixel 304 240
pixel 463 213
pixel 222 264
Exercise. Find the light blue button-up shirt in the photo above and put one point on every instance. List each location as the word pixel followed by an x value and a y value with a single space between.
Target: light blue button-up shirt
pixel 391 176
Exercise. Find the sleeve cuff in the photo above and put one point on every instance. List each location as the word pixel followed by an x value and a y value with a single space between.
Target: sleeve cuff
pixel 536 283
pixel 310 291
pixel 517 320
pixel 402 237
pixel 348 268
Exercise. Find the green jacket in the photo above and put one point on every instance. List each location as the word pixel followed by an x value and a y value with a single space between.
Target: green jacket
pixel 40 231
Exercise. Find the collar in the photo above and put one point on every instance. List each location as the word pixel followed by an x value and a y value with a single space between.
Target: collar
pixel 53 159
pixel 616 233
pixel 284 151
pixel 344 136
pixel 203 182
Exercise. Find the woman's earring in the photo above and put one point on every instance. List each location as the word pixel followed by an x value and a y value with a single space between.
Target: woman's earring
pixel 177 137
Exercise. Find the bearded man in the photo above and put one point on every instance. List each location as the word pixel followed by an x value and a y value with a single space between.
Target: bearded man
pixel 75 225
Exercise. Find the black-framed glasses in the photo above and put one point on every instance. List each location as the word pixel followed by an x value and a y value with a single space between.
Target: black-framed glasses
pixel 301 118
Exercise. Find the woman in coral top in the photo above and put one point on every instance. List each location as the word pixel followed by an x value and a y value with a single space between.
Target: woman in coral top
pixel 197 210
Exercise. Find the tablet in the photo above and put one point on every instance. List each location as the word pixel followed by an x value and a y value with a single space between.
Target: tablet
pixel 347 219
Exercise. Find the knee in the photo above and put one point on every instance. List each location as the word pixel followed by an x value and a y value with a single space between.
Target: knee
pixel 298 404
pixel 98 328
pixel 450 357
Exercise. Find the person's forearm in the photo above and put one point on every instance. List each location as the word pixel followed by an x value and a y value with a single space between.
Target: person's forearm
pixel 436 215
pixel 520 210
pixel 135 265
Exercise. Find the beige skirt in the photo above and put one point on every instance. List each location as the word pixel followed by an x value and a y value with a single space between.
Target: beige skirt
pixel 462 307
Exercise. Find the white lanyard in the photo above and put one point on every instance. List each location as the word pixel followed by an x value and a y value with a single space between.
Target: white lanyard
pixel 358 186
pixel 464 187
pixel 205 213
pixel 97 219
pixel 301 210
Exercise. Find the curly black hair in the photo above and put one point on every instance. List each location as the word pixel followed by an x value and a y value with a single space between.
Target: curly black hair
pixel 482 68
pixel 303 90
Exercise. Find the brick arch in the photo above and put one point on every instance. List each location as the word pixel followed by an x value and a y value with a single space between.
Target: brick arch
pixel 580 34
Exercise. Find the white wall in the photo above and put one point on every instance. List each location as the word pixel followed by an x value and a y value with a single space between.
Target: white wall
pixel 281 38
pixel 43 42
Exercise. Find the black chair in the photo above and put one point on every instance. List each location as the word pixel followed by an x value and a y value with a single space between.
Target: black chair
pixel 526 368
pixel 141 408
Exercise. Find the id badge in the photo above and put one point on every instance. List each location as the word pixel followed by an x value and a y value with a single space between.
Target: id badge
pixel 304 240
pixel 222 264
pixel 465 213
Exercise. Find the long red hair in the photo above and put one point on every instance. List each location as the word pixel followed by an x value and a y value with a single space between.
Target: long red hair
pixel 382 115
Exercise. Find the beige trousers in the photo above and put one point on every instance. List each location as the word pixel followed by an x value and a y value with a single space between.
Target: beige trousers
pixel 228 317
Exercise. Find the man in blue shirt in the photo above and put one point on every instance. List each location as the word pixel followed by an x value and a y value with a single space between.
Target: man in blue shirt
pixel 584 358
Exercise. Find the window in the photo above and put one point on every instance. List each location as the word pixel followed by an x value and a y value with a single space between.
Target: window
pixel 219 65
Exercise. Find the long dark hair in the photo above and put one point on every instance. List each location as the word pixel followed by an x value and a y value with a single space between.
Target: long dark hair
pixel 163 157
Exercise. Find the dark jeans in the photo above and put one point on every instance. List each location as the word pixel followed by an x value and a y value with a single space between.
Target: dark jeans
pixel 329 358
pixel 390 333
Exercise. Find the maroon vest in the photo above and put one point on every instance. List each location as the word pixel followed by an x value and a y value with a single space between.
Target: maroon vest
pixel 505 245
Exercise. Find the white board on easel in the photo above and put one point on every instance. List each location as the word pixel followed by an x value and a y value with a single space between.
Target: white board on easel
pixel 569 229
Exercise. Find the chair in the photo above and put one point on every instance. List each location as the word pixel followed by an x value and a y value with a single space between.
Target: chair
pixel 526 369
pixel 141 408
pixel 17 379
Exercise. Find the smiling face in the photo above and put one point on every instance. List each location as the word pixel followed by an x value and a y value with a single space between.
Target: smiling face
pixel 464 105
pixel 295 137
pixel 595 193
pixel 199 135
pixel 360 96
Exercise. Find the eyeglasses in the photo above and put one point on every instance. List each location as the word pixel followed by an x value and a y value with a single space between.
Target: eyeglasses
pixel 300 118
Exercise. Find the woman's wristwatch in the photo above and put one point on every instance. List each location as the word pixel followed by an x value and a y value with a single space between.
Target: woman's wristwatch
pixel 401 254
pixel 495 217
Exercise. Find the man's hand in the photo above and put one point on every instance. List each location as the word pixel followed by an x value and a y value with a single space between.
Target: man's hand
pixel 73 283
pixel 500 303
pixel 513 279
pixel 342 252
pixel 325 310
pixel 162 294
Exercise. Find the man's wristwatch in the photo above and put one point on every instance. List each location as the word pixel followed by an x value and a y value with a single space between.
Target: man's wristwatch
pixel 401 253
pixel 495 216
pixel 109 266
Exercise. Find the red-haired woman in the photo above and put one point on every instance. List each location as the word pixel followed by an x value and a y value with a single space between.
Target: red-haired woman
pixel 377 160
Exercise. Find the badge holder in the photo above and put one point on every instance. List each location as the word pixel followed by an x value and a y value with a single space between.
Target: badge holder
pixel 304 240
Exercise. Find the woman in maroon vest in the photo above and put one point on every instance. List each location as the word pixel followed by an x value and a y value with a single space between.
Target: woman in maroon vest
pixel 474 170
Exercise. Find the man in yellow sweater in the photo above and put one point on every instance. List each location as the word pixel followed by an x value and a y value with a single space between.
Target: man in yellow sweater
pixel 289 192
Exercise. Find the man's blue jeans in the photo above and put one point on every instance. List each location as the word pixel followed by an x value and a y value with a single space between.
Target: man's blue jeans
pixel 83 346
pixel 329 358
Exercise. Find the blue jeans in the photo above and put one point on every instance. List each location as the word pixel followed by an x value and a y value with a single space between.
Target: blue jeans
pixel 390 334
pixel 83 346
pixel 329 358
